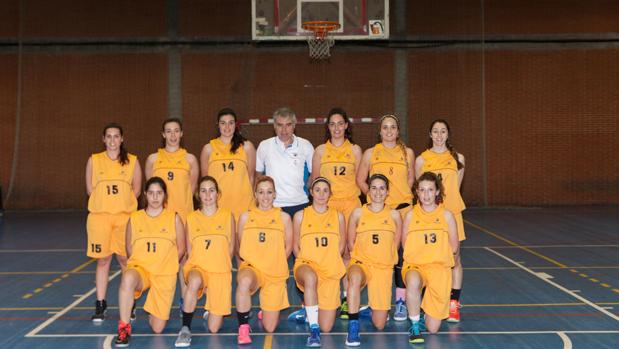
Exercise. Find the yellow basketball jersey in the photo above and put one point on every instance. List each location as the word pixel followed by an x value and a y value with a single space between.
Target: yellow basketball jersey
pixel 263 244
pixel 210 240
pixel 173 168
pixel 153 242
pixel 111 185
pixel 320 241
pixel 374 241
pixel 337 164
pixel 427 239
pixel 392 164
pixel 445 166
pixel 230 171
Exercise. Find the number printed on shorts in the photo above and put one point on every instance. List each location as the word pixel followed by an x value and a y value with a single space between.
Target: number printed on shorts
pixel 339 171
pixel 96 248
pixel 228 167
pixel 262 237
pixel 430 238
pixel 170 175
pixel 151 247
pixel 112 189
pixel 375 239
pixel 208 243
pixel 322 241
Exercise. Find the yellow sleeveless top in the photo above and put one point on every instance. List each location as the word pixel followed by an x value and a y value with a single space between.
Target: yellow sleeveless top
pixel 111 185
pixel 320 242
pixel 263 244
pixel 153 242
pixel 210 240
pixel 445 166
pixel 392 164
pixel 337 164
pixel 173 168
pixel 374 241
pixel 427 239
pixel 230 171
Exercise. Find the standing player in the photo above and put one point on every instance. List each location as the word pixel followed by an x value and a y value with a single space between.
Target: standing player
pixel 265 238
pixel 231 160
pixel 113 182
pixel 338 160
pixel 442 159
pixel 394 159
pixel 179 169
pixel 373 237
pixel 430 242
pixel 319 239
pixel 210 247
pixel 155 243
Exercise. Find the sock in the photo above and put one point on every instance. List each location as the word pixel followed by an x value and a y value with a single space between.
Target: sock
pixel 400 294
pixel 353 316
pixel 187 317
pixel 415 318
pixel 243 317
pixel 455 294
pixel 312 314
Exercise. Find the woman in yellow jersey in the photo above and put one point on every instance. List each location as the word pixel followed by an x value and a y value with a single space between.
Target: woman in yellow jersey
pixel 373 237
pixel 113 182
pixel 338 160
pixel 265 239
pixel 442 159
pixel 211 240
pixel 231 160
pixel 394 159
pixel 155 242
pixel 319 239
pixel 430 241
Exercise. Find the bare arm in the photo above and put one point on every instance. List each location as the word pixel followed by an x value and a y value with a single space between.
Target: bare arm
pixel 296 230
pixel 316 161
pixel 148 166
pixel 89 176
pixel 288 232
pixel 128 246
pixel 204 156
pixel 136 181
pixel 364 171
pixel 352 228
pixel 418 166
pixel 461 171
pixel 194 171
pixel 342 227
pixel 411 169
pixel 453 232
pixel 180 237
pixel 395 215
pixel 251 161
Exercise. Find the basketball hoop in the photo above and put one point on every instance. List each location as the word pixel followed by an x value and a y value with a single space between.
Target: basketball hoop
pixel 320 42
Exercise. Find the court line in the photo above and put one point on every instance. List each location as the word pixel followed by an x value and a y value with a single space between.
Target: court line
pixel 571 293
pixel 39 328
pixel 536 246
pixel 567 343
pixel 268 341
pixel 56 280
pixel 43 250
pixel 107 343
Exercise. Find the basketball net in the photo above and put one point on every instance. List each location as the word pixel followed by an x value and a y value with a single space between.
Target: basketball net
pixel 320 41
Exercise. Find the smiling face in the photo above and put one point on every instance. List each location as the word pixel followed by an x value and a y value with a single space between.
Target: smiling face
pixel 284 128
pixel 378 190
pixel 112 139
pixel 337 126
pixel 208 194
pixel 389 130
pixel 439 134
pixel 172 133
pixel 321 193
pixel 155 196
pixel 427 192
pixel 226 125
pixel 265 195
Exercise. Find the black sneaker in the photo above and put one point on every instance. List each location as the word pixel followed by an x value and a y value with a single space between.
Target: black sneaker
pixel 122 340
pixel 133 316
pixel 100 311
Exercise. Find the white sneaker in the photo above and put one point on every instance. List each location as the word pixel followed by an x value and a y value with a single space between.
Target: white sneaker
pixel 184 338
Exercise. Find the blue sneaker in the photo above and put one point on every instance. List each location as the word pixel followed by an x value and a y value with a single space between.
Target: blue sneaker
pixel 400 313
pixel 313 341
pixel 422 323
pixel 414 334
pixel 365 312
pixel 298 316
pixel 353 339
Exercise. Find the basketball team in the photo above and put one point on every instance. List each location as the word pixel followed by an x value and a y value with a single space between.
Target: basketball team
pixel 258 206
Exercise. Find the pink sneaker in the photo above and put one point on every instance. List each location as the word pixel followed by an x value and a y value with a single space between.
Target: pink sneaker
pixel 260 315
pixel 244 337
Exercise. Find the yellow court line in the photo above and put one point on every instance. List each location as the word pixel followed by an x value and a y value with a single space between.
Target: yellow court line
pixel 268 341
pixel 558 264
pixel 63 276
pixel 83 265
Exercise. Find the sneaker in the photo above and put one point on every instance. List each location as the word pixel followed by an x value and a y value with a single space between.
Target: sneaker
pixel 133 316
pixel 353 339
pixel 184 338
pixel 344 310
pixel 244 337
pixel 124 333
pixel 298 316
pixel 422 322
pixel 313 341
pixel 414 334
pixel 260 315
pixel 400 313
pixel 365 312
pixel 454 311
pixel 205 315
pixel 100 311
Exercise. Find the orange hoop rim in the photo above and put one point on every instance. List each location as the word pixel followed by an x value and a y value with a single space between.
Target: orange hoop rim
pixel 321 28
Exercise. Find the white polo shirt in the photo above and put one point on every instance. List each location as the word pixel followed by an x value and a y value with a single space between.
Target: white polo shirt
pixel 288 166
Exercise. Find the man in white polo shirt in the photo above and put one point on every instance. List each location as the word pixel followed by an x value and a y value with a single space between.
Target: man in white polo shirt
pixel 288 160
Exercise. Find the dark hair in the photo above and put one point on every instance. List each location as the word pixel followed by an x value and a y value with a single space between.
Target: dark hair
pixel 347 132
pixel 123 156
pixel 206 179
pixel 398 140
pixel 431 177
pixel 161 182
pixel 167 121
pixel 237 138
pixel 380 176
pixel 447 141
pixel 318 180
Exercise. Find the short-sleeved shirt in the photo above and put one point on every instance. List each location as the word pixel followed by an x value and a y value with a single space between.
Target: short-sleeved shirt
pixel 288 166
